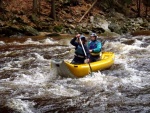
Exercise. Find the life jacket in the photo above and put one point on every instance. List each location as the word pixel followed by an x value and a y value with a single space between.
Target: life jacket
pixel 79 50
pixel 93 45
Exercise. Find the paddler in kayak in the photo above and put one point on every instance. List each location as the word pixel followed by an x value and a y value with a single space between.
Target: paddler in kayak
pixel 80 56
pixel 95 47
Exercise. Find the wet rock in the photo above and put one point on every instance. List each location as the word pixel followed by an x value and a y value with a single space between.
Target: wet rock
pixel 128 42
pixel 13 30
pixel 145 24
pixel 10 30
pixel 70 20
pixel 98 30
pixel 78 28
pixel 114 28
pixel 18 19
pixel 110 34
pixel 92 19
pixel 71 31
pixel 117 16
pixel 139 20
pixel 85 31
pixel 100 23
pixel 28 30
pixel 33 18
pixel 84 25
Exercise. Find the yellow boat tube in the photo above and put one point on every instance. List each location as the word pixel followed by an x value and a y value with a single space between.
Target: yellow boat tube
pixel 66 69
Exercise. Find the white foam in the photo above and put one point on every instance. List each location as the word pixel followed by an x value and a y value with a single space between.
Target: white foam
pixel 15 43
pixel 97 78
pixel 30 41
pixel 39 57
pixel 137 43
pixel 35 79
pixel 49 41
pixel 63 91
pixel 133 80
pixel 2 43
pixel 20 105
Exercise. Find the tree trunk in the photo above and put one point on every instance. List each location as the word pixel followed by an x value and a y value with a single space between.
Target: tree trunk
pixel 39 6
pixel 53 12
pixel 1 6
pixel 146 4
pixel 139 12
pixel 0 2
pixel 146 11
pixel 36 6
pixel 139 8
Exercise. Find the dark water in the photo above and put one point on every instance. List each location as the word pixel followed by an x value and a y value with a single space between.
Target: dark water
pixel 29 85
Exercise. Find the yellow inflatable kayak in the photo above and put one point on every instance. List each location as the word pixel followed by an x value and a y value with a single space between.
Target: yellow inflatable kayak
pixel 66 69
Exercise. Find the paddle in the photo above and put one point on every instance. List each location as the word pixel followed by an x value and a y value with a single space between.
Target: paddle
pixel 85 55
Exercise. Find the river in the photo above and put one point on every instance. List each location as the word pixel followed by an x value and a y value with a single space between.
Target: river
pixel 29 85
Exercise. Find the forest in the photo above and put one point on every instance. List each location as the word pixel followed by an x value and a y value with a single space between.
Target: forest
pixel 31 17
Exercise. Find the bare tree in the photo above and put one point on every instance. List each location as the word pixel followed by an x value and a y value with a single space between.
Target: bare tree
pixel 138 2
pixel 53 10
pixel 147 4
pixel 1 5
pixel 36 6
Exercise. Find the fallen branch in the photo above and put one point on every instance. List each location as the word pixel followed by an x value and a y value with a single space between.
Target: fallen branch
pixel 87 11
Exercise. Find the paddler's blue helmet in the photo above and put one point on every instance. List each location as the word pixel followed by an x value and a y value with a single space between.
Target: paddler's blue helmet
pixel 83 38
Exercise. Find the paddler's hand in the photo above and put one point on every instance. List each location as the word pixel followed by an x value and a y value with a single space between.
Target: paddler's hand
pixel 78 36
pixel 87 60
pixel 90 50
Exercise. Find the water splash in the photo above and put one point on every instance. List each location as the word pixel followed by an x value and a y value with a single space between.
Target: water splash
pixel 21 106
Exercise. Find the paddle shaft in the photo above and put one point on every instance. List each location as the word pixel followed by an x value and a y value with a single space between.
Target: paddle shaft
pixel 85 54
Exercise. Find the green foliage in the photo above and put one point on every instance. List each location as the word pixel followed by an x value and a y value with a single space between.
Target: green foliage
pixel 58 28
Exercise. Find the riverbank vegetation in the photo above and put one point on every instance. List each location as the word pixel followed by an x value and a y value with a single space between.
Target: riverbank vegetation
pixel 47 17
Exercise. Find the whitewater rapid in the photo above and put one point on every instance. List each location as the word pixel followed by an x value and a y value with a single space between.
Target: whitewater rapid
pixel 28 84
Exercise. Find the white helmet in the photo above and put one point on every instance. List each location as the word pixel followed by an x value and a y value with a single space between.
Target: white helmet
pixel 94 34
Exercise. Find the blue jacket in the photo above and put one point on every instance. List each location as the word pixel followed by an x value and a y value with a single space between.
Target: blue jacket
pixel 78 48
pixel 96 46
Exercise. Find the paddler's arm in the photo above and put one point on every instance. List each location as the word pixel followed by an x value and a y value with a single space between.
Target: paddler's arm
pixel 73 41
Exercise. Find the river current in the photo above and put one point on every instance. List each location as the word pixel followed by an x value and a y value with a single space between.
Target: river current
pixel 28 84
